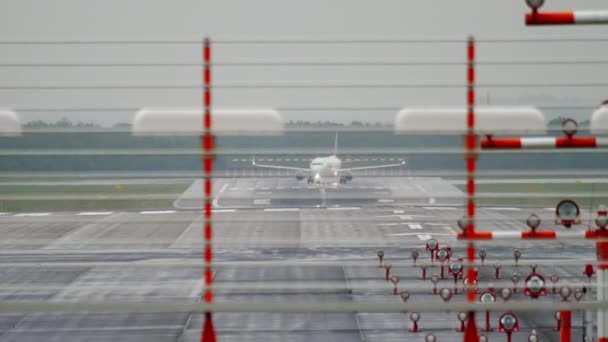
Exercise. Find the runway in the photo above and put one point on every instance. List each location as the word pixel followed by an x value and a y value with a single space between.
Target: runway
pixel 153 256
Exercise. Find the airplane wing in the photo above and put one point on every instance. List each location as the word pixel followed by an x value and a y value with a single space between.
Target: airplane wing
pixel 373 167
pixel 280 167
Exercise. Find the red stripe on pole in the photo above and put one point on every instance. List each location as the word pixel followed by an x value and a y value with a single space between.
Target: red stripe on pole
pixel 208 211
pixel 207 119
pixel 208 142
pixel 208 254
pixel 207 98
pixel 471 187
pixel 207 75
pixel 471 50
pixel 490 143
pixel 208 165
pixel 539 235
pixel 208 232
pixel 208 298
pixel 603 339
pixel 475 236
pixel 565 333
pixel 471 75
pixel 208 187
pixel 554 18
pixel 208 276
pixel 576 142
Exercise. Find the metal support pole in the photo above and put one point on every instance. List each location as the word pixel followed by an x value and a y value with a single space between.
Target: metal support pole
pixel 470 334
pixel 565 332
pixel 602 285
pixel 208 146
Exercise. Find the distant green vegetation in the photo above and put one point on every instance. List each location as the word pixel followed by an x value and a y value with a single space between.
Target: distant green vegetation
pixel 99 197
pixel 570 189
pixel 122 140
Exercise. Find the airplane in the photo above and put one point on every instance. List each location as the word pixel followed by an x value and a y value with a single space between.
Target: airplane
pixel 324 168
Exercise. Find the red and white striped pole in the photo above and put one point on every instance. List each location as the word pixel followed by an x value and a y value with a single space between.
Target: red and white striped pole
pixel 602 284
pixel 530 235
pixel 470 332
pixel 543 142
pixel 567 18
pixel 207 145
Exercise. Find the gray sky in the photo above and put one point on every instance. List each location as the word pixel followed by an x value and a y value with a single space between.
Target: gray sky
pixel 153 19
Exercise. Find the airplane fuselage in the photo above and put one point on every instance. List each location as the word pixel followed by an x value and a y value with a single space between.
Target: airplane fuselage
pixel 324 168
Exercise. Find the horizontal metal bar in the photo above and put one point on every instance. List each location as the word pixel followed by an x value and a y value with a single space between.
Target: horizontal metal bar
pixel 245 171
pixel 237 86
pixel 292 306
pixel 295 285
pixel 278 151
pixel 291 108
pixel 369 262
pixel 58 196
pixel 288 63
pixel 337 40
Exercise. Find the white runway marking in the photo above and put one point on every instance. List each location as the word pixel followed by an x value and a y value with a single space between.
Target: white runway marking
pixel 399 211
pixel 261 201
pixel 503 208
pixel 215 202
pixel 344 208
pixel 419 187
pixel 34 214
pixel 383 200
pixel 415 225
pixel 436 224
pixel 282 209
pixel 95 213
pixel 223 210
pixel 389 224
pixel 264 193
pixel 156 212
pixel 3 214
pixel 424 237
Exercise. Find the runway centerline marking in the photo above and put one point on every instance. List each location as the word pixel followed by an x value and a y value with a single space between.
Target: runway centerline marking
pixel 282 209
pixel 503 208
pixel 223 210
pixel 33 214
pixel 414 225
pixel 95 213
pixel 344 208
pixel 156 212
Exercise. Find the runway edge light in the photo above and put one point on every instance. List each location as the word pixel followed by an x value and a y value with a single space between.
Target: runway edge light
pixel 10 123
pixel 190 122
pixel 452 120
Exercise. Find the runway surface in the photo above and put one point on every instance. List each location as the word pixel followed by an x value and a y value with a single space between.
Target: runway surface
pixel 263 224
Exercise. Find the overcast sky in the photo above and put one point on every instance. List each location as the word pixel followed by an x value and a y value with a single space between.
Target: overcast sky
pixel 226 19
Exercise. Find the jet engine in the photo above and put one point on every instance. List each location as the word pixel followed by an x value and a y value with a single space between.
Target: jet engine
pixel 346 177
pixel 300 175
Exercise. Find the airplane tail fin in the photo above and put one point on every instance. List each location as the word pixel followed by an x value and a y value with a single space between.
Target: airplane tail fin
pixel 336 145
